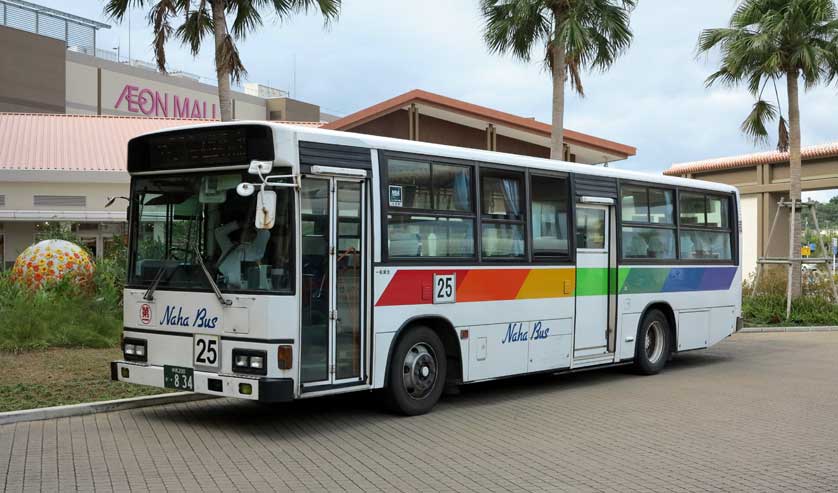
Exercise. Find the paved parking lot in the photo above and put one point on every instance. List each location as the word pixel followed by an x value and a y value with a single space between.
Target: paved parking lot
pixel 758 412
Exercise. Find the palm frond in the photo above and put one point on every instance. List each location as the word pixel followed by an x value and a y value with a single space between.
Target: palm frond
pixel 515 26
pixel 754 125
pixel 783 135
pixel 116 9
pixel 227 59
pixel 159 16
pixel 723 76
pixel 247 18
pixel 196 26
pixel 575 77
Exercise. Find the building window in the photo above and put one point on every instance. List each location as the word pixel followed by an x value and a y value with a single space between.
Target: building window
pixel 705 232
pixel 430 209
pixel 502 214
pixel 549 217
pixel 648 223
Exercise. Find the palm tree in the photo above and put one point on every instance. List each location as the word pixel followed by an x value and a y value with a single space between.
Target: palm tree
pixel 576 34
pixel 771 40
pixel 204 17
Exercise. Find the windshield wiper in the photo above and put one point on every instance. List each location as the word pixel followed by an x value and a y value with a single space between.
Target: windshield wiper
pixel 149 294
pixel 224 302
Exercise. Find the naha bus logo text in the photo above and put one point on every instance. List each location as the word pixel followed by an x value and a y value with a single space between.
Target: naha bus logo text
pixel 515 333
pixel 202 320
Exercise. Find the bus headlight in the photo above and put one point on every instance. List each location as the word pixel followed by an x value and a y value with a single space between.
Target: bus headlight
pixel 134 349
pixel 249 361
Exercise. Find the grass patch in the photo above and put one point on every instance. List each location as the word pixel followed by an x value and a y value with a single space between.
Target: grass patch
pixel 56 377
pixel 63 314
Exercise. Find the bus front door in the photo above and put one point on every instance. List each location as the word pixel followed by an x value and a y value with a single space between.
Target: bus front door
pixel 594 236
pixel 333 225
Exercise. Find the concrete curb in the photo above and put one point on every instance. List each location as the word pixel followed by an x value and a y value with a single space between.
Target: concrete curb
pixel 98 407
pixel 818 328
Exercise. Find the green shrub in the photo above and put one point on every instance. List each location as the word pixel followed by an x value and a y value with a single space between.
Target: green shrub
pixel 63 314
pixel 767 304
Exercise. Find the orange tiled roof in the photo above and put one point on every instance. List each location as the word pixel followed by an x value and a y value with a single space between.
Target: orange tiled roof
pixel 43 141
pixel 488 114
pixel 746 160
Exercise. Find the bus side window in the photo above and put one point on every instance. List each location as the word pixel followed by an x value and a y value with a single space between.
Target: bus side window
pixel 430 209
pixel 549 216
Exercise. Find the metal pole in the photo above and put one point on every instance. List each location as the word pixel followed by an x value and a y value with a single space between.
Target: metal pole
pixel 765 245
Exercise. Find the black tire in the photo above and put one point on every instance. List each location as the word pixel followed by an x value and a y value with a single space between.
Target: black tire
pixel 416 372
pixel 653 344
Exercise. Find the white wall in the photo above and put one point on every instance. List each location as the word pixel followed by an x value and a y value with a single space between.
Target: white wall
pixel 133 91
pixel 750 227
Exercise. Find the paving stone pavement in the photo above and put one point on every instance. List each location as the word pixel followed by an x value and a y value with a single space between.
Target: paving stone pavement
pixel 758 412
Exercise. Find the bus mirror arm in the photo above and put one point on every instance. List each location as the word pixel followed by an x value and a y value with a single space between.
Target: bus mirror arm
pixel 268 181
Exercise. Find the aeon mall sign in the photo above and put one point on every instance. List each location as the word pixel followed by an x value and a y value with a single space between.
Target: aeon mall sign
pixel 151 102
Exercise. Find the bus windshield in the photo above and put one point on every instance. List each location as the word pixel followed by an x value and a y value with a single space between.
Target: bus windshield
pixel 177 216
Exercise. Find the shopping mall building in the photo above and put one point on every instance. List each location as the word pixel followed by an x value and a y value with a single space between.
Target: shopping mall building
pixel 68 108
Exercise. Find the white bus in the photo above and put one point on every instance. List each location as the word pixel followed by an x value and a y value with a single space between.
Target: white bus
pixel 272 262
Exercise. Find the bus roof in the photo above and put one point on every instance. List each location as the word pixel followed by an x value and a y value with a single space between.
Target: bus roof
pixel 454 152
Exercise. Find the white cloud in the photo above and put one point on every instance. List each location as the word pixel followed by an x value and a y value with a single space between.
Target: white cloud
pixel 653 98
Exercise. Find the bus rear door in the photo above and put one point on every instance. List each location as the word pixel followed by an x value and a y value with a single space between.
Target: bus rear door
pixel 594 265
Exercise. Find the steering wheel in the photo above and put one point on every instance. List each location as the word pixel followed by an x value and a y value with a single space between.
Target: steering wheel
pixel 186 252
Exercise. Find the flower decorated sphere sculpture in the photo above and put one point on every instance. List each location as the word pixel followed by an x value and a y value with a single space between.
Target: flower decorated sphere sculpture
pixel 51 260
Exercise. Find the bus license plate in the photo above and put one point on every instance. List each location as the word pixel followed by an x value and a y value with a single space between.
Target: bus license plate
pixel 178 378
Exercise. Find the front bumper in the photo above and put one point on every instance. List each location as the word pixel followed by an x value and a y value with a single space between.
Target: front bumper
pixel 263 389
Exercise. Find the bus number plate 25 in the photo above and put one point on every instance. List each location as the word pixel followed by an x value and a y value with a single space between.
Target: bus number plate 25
pixel 445 288
pixel 205 350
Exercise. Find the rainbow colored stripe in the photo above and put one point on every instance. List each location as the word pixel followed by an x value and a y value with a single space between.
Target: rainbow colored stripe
pixel 415 287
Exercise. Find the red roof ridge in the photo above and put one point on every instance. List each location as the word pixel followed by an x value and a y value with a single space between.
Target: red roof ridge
pixel 520 122
pixel 747 160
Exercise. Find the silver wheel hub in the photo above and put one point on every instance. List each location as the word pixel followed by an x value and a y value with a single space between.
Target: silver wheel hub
pixel 655 342
pixel 419 370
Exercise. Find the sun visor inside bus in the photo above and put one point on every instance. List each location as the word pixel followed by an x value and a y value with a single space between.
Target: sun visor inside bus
pixel 200 148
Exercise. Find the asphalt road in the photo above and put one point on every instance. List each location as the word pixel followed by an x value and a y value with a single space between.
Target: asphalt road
pixel 757 412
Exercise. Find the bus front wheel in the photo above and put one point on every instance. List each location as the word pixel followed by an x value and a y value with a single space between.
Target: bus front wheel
pixel 417 372
pixel 653 345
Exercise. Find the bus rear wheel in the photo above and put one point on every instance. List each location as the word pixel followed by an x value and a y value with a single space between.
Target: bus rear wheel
pixel 417 372
pixel 653 344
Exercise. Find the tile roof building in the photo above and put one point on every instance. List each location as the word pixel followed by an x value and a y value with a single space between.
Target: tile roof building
pixel 428 117
pixel 763 179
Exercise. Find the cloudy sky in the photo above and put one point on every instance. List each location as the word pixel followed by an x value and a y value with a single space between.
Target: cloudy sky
pixel 653 98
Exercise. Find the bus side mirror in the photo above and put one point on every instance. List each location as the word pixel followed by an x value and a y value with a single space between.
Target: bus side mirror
pixel 265 209
pixel 245 189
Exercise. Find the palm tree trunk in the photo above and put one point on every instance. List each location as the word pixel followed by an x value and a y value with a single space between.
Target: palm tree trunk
pixel 225 97
pixel 558 73
pixel 794 177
